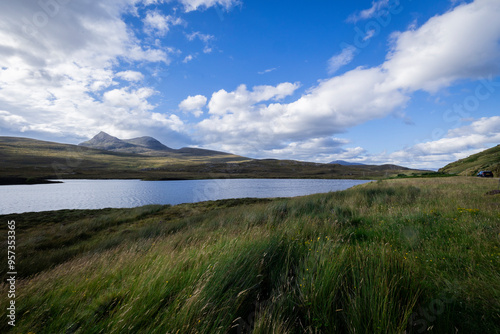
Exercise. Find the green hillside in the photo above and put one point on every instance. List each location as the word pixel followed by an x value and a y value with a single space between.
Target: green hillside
pixel 485 160
pixel 27 159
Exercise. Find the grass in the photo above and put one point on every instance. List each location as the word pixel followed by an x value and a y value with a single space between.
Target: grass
pixel 423 175
pixel 404 255
pixel 486 160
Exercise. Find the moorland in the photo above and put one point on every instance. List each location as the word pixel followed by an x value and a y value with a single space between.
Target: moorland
pixel 26 160
pixel 391 256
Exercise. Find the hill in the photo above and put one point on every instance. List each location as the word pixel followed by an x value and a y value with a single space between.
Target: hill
pixel 346 163
pixel 149 143
pixel 145 146
pixel 26 160
pixel 486 160
pixel 31 160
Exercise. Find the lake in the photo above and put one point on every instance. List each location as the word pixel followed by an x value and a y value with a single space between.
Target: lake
pixel 99 194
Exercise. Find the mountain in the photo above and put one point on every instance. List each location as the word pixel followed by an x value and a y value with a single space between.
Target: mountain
pixel 103 141
pixel 148 142
pixel 346 163
pixel 486 160
pixel 26 160
pixel 145 146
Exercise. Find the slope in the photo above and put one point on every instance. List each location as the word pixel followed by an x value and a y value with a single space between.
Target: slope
pixel 486 160
pixel 146 146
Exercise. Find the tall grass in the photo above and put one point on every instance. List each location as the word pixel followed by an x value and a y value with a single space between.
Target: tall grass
pixel 395 256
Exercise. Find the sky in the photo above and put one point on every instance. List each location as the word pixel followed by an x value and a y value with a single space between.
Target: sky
pixel 413 83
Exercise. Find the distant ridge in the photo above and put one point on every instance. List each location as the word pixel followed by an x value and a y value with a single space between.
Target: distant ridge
pixel 346 163
pixel 145 146
pixel 26 160
pixel 148 142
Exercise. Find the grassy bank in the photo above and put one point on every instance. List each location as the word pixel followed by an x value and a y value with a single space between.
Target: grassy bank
pixel 412 255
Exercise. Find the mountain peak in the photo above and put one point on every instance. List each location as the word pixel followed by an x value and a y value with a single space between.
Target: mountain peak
pixel 145 146
pixel 105 141
pixel 102 134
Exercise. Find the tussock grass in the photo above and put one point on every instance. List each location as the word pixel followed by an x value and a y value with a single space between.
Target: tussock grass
pixel 393 256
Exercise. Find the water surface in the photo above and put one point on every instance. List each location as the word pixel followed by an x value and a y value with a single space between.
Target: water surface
pixel 99 194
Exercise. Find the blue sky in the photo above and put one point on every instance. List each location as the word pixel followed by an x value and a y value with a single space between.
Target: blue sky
pixel 414 83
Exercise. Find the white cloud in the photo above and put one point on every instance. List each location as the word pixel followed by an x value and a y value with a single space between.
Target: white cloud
pixel 12 122
pixel 373 11
pixel 125 98
pixel 130 75
pixel 241 100
pixel 323 147
pixel 188 58
pixel 447 48
pixel 152 2
pixel 159 23
pixel 58 77
pixel 205 38
pixel 194 104
pixel 457 144
pixel 341 59
pixel 268 70
pixel 329 108
pixel 369 35
pixel 351 154
pixel 57 73
pixel 475 136
pixel 191 5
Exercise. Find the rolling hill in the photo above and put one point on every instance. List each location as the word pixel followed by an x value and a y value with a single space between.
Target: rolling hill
pixel 146 146
pixel 346 163
pixel 486 160
pixel 26 160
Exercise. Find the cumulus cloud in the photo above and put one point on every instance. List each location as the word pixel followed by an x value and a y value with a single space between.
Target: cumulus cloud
pixel 325 148
pixel 132 100
pixel 58 66
pixel 328 108
pixel 242 100
pixel 456 144
pixel 130 75
pixel 58 75
pixel 449 47
pixel 478 135
pixel 159 23
pixel 194 104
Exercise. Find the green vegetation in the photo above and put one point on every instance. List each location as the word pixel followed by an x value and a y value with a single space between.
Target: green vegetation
pixel 422 175
pixel 470 166
pixel 415 255
pixel 29 158
pixel 24 158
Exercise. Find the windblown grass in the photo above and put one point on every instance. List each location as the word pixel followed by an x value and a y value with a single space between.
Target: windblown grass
pixel 394 256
